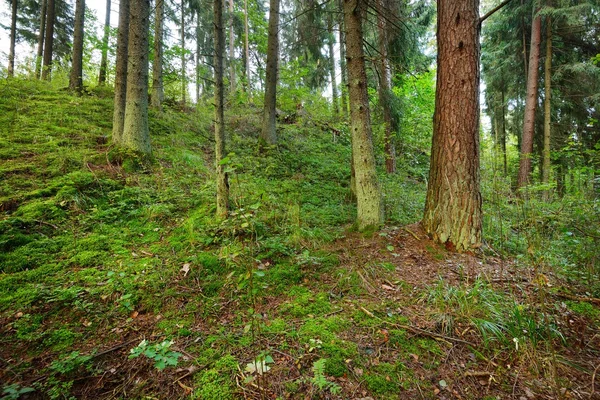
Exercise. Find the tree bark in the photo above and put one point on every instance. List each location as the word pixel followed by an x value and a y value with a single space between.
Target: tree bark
pixel 198 49
pixel 530 104
pixel 183 80
pixel 268 134
pixel 49 40
pixel 503 133
pixel 369 202
pixel 104 59
pixel 330 42
pixel 231 49
pixel 121 72
pixel 157 64
pixel 344 80
pixel 76 76
pixel 247 50
pixel 547 110
pixel 453 204
pixel 222 184
pixel 135 128
pixel 385 91
pixel 40 44
pixel 13 37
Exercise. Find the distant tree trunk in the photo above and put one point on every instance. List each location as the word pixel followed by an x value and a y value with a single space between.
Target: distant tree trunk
pixel 135 128
pixel 183 80
pixel 121 72
pixel 198 49
pixel 40 44
pixel 453 205
pixel 49 40
pixel 247 49
pixel 104 59
pixel 369 202
pixel 231 49
pixel 330 42
pixel 76 76
pixel 547 110
pixel 503 133
pixel 385 91
pixel 157 64
pixel 222 184
pixel 268 134
pixel 530 103
pixel 13 37
pixel 344 80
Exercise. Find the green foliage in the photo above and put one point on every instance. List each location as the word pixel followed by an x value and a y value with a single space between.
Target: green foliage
pixel 216 383
pixel 14 391
pixel 320 380
pixel 160 353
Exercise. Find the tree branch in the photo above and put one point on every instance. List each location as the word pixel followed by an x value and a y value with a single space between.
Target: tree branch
pixel 492 11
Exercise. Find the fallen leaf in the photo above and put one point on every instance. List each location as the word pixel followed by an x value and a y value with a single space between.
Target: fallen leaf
pixel 134 314
pixel 185 269
pixel 387 287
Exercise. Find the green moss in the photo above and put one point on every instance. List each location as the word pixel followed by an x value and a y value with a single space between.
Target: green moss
pixel 216 383
pixel 584 309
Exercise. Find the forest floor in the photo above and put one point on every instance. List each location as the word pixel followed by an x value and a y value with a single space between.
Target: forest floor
pixel 116 281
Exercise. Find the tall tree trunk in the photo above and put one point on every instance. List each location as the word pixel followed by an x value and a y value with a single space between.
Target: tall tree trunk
pixel 40 44
pixel 268 133
pixel 76 76
pixel 104 59
pixel 343 70
pixel 157 64
pixel 385 91
pixel 183 77
pixel 503 133
pixel 198 49
pixel 547 115
pixel 330 42
pixel 135 128
pixel 369 202
pixel 453 205
pixel 231 49
pixel 222 184
pixel 530 103
pixel 121 72
pixel 49 40
pixel 247 49
pixel 13 37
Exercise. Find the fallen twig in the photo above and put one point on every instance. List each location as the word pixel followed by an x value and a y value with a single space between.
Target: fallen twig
pixel 412 233
pixel 592 300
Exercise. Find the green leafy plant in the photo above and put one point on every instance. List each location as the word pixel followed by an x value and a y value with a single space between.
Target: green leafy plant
pixel 14 391
pixel 320 380
pixel 160 353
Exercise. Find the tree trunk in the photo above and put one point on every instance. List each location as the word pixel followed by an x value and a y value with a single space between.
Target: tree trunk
pixel 13 37
pixel 385 91
pixel 344 80
pixel 547 115
pixel 231 49
pixel 198 49
pixel 222 184
pixel 157 64
pixel 76 76
pixel 369 202
pixel 330 42
pixel 530 104
pixel 503 133
pixel 121 72
pixel 49 40
pixel 40 44
pixel 104 59
pixel 183 80
pixel 247 49
pixel 268 134
pixel 135 128
pixel 453 205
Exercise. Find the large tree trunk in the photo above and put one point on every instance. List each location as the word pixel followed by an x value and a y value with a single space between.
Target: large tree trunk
pixel 453 205
pixel 76 76
pixel 330 42
pixel 40 44
pixel 385 91
pixel 121 72
pixel 247 49
pixel 49 40
pixel 547 116
pixel 231 49
pixel 222 184
pixel 157 64
pixel 135 128
pixel 530 104
pixel 369 202
pixel 13 37
pixel 104 59
pixel 268 134
pixel 344 80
